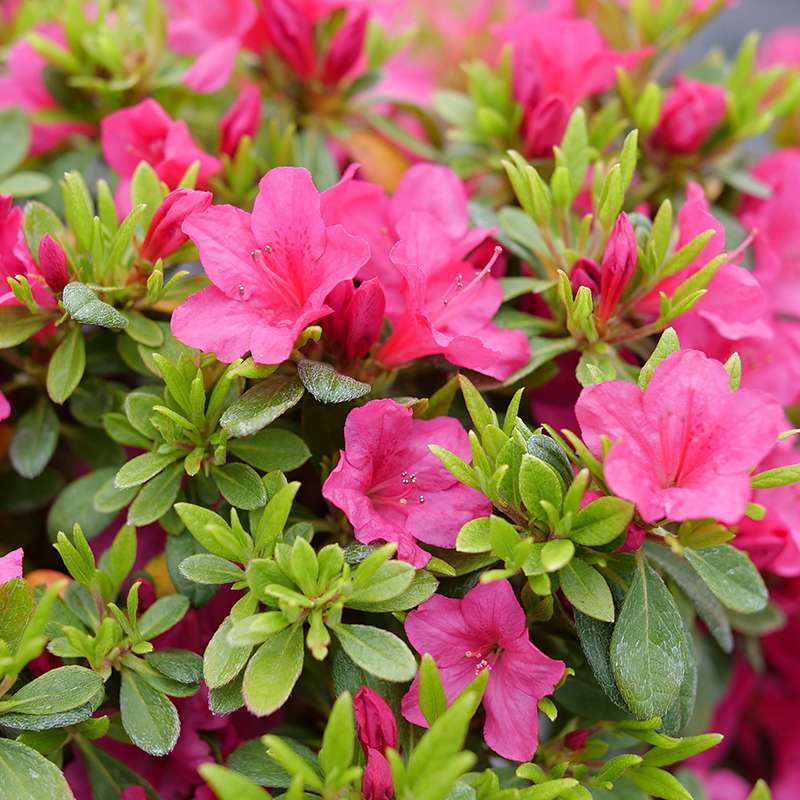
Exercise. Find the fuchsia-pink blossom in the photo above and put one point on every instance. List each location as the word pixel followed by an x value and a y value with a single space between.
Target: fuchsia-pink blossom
pixel 346 47
pixel 617 267
pixel 5 407
pixel 781 49
pixel 240 120
pixel 684 448
pixel 393 489
pixel 53 263
pixel 690 114
pixel 213 32
pixel 355 324
pixel 485 630
pixel 164 233
pixel 270 270
pixel 23 86
pixel 145 132
pixel 11 565
pixel 376 728
pixel 449 306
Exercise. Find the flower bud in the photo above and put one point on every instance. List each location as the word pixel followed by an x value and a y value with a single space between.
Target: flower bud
pixel 355 324
pixel 240 120
pixel 619 263
pixel 544 126
pixel 53 263
pixel 376 784
pixel 164 236
pixel 575 740
pixel 291 35
pixel 376 726
pixel 346 48
pixel 585 272
pixel 690 113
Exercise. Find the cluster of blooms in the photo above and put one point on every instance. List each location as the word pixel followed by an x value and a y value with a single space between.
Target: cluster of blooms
pixel 540 433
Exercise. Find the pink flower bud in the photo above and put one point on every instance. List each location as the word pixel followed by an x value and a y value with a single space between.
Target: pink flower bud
pixel 619 263
pixel 376 784
pixel 346 48
pixel 240 120
pixel 634 539
pixel 585 272
pixel 355 324
pixel 291 35
pixel 575 740
pixel 53 263
pixel 544 126
pixel 164 236
pixel 690 113
pixel 376 726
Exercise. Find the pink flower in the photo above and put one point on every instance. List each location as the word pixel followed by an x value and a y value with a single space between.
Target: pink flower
pixel 683 448
pixel 270 270
pixel 691 112
pixel 485 630
pixel 618 266
pixel 5 407
pixel 448 306
pixel 240 120
pixel 355 324
pixel 23 86
pixel 290 33
pixel 145 132
pixel 393 489
pixel 376 783
pixel 213 32
pixel 53 263
pixel 11 566
pixel 164 234
pixel 781 49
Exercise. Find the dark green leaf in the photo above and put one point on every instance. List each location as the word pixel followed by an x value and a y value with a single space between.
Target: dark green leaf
pixel 27 775
pixel 74 504
pixel 731 576
pixel 240 485
pixel 156 497
pixel 83 305
pixel 262 404
pixel 377 651
pixel 66 366
pixel 35 439
pixel 327 385
pixel 149 718
pixel 271 449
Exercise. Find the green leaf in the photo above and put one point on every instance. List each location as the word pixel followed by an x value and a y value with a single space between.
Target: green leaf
pixel 214 533
pixel 587 590
pixel 142 468
pixel 83 305
pixel 65 370
pixel 156 497
pixel 731 576
pixel 183 666
pixel 432 699
pixel 109 499
pixel 274 518
pixel 17 325
pixel 601 521
pixel 389 580
pixel 16 610
pixel 686 748
pixel 377 651
pixel 658 783
pixel 780 476
pixel 708 607
pixel 251 759
pixel 35 439
pixel 25 184
pixel 149 718
pixel 546 449
pixel 222 662
pixel 595 639
pixel 271 449
pixel 539 481
pixel 760 791
pixel 337 741
pixel 648 648
pixel 262 404
pixel 74 504
pixel 27 775
pixel 162 615
pixel 555 554
pixel 230 785
pixel 143 330
pixel 15 138
pixel 210 569
pixel 422 586
pixel 327 385
pixel 240 485
pixel 61 689
pixel 474 536
pixel 273 671
pixel 39 219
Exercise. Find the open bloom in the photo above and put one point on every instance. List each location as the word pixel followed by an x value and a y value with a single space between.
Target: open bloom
pixel 145 132
pixel 683 448
pixel 485 630
pixel 448 306
pixel 393 489
pixel 11 566
pixel 270 270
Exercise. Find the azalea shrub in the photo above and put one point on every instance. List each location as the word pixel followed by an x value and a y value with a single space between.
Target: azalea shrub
pixel 400 401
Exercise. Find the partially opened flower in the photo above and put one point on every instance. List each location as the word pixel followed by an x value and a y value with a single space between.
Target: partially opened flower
pixel 684 448
pixel 240 120
pixel 355 324
pixel 145 132
pixel 270 270
pixel 485 630
pixel 393 489
pixel 11 565
pixel 449 306
pixel 164 233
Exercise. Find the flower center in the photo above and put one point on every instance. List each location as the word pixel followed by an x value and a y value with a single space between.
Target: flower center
pixel 398 490
pixel 485 657
pixel 282 286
